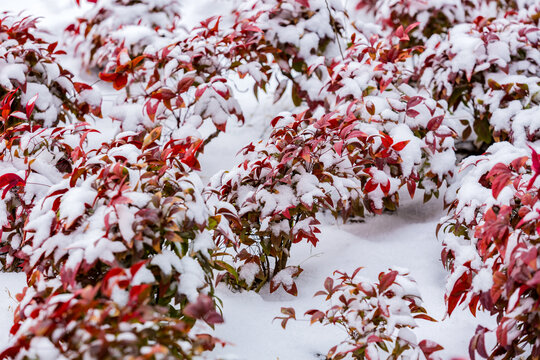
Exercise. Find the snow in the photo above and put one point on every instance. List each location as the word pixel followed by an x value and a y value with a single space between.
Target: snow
pixel 192 278
pixel 74 202
pixel 166 261
pixel 248 272
pixel 143 276
pixel 10 285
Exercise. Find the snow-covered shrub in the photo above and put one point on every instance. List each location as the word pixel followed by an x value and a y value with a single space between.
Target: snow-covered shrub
pixel 123 236
pixel 294 38
pixel 336 163
pixel 127 201
pixel 382 135
pixel 33 159
pixel 191 78
pixel 134 25
pixel 487 71
pixel 115 318
pixel 29 63
pixel 435 16
pixel 372 82
pixel 491 244
pixel 377 317
pixel 181 84
pixel 81 216
pixel 41 106
pixel 479 56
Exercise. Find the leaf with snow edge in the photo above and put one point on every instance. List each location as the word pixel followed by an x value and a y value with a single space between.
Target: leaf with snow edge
pixel 428 347
pixel 316 315
pixel 500 176
pixel 477 343
pixel 30 105
pixel 285 278
pixel 9 181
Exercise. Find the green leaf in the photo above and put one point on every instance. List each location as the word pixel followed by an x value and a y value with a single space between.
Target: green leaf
pixel 482 130
pixel 227 267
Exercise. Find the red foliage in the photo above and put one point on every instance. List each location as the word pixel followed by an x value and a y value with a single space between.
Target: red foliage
pixel 501 275
pixel 366 312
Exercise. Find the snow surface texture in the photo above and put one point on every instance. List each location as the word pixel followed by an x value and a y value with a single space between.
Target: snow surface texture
pixel 406 239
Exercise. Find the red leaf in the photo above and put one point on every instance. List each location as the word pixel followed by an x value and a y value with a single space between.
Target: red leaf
pixel 374 338
pixel 329 285
pixel 536 167
pixel 500 177
pixel 138 293
pixel 386 280
pixel 135 268
pixel 424 317
pixel 203 309
pixel 387 141
pixel 411 186
pixel 293 290
pixel 428 347
pixel 415 100
pixel 163 94
pixel 399 32
pixel 151 109
pixel 316 315
pixel 370 108
pixel 412 26
pixel 461 286
pixel 303 2
pixel 9 181
pixel 79 86
pixel 30 105
pixel 121 81
pixel 200 91
pixel 190 158
pixel 370 186
pixel 108 77
pixel 386 188
pixel 338 147
pixel 435 123
pixel 477 343
pixel 400 145
pixel 185 84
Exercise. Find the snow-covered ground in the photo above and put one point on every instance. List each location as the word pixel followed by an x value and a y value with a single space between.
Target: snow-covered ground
pixel 405 239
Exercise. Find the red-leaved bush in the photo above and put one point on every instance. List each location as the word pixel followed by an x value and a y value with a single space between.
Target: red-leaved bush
pixel 112 319
pixel 491 247
pixel 436 16
pixel 381 136
pixel 480 56
pixel 29 63
pixel 487 71
pixel 112 236
pixel 377 317
pixel 135 25
pixel 127 211
pixel 41 107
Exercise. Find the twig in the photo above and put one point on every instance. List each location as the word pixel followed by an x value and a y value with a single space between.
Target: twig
pixel 333 22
